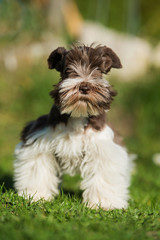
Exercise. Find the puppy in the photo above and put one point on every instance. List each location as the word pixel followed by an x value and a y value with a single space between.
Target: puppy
pixel 75 137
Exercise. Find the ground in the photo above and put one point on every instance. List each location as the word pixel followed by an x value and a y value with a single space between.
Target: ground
pixel 135 113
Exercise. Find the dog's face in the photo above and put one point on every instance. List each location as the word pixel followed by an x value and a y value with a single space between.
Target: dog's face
pixel 82 90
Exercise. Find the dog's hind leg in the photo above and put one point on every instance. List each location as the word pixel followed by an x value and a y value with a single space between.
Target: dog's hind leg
pixel 35 171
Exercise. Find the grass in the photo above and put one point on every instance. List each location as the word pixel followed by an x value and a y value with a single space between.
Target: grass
pixel 67 218
pixel 135 113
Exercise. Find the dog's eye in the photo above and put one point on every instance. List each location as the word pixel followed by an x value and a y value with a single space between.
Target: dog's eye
pixel 66 69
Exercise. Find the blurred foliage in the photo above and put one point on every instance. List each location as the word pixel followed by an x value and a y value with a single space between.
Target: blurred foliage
pixel 139 17
pixel 150 25
pixel 106 12
pixel 21 20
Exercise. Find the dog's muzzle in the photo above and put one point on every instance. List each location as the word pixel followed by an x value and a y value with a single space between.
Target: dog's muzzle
pixel 84 88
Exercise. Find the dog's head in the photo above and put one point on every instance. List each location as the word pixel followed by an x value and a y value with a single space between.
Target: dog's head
pixel 82 90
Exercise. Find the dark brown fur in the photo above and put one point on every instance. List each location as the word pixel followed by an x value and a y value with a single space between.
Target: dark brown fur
pixel 100 57
pixel 34 126
pixel 97 122
pixel 52 119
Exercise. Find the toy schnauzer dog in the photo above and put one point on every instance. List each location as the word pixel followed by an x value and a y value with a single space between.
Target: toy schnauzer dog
pixel 74 136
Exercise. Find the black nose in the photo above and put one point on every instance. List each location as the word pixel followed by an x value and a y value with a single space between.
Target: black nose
pixel 84 88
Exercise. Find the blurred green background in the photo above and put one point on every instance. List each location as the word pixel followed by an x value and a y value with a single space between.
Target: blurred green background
pixel 30 30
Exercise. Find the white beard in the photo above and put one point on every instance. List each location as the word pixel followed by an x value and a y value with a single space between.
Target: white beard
pixel 79 108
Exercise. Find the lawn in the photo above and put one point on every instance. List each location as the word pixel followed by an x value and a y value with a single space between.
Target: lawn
pixel 135 113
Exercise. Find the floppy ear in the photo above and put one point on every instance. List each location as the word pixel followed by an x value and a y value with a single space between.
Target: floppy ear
pixel 55 59
pixel 110 59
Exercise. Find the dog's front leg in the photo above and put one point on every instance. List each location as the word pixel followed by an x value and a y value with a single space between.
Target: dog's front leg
pixel 105 171
pixel 35 172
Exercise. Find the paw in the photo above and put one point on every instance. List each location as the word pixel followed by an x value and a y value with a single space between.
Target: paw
pixel 106 205
pixel 35 196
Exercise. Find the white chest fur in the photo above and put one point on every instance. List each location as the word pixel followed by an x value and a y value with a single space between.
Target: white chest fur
pixel 69 144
